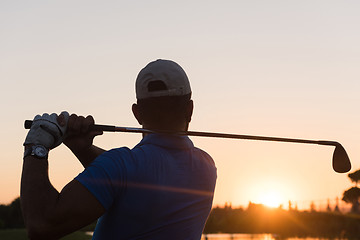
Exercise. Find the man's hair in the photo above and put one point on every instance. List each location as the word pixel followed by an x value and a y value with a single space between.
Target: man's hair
pixel 164 113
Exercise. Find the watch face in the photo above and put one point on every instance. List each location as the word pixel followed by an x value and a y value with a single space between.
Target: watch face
pixel 40 151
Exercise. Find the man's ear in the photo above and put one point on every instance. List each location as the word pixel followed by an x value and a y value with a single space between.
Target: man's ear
pixel 189 110
pixel 137 113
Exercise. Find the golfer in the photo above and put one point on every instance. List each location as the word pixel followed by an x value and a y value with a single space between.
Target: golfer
pixel 161 189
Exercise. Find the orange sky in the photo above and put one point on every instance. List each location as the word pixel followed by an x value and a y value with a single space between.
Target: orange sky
pixel 259 68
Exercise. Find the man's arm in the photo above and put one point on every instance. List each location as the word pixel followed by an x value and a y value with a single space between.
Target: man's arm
pixel 79 139
pixel 86 157
pixel 49 214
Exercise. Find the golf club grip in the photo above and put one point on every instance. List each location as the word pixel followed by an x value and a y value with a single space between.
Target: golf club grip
pixel 96 127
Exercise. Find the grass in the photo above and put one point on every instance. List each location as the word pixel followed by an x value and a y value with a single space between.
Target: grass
pixel 20 234
pixel 77 236
pixel 13 234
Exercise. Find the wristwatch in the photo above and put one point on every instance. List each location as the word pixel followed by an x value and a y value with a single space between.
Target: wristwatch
pixel 38 151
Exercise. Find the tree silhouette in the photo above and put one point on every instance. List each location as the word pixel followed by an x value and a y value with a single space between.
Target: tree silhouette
pixel 337 209
pixel 355 177
pixel 312 207
pixel 11 216
pixel 352 196
pixel 328 208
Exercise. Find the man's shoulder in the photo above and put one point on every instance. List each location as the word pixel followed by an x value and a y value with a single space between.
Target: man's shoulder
pixel 115 152
pixel 112 156
pixel 204 155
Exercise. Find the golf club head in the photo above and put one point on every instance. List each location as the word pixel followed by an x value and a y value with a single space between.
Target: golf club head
pixel 341 162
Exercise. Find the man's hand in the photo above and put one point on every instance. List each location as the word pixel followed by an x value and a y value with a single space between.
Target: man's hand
pixel 79 138
pixel 47 131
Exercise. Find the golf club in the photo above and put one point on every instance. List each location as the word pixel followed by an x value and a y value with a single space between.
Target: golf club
pixel 340 161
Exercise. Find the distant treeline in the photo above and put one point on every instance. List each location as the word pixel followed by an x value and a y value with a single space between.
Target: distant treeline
pixel 254 219
pixel 11 216
pixel 260 219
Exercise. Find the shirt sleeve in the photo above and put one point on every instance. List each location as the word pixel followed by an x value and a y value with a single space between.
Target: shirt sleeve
pixel 105 178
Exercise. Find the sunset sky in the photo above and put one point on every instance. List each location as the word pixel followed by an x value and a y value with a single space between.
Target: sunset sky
pixel 272 68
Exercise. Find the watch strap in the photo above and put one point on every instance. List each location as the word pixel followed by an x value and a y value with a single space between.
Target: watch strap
pixel 28 151
pixel 33 151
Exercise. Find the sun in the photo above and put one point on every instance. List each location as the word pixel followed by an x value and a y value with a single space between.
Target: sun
pixel 271 198
pixel 270 192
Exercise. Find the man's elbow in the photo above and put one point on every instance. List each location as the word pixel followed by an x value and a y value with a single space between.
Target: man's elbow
pixel 34 234
pixel 39 231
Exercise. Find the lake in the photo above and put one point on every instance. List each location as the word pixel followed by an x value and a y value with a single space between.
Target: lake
pixel 237 236
pixel 243 236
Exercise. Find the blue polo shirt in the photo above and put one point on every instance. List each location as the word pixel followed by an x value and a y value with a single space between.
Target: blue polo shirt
pixel 161 189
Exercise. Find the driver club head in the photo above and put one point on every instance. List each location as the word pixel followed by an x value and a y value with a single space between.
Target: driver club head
pixel 341 162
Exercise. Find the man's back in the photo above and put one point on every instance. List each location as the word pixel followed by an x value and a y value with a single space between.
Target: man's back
pixel 163 187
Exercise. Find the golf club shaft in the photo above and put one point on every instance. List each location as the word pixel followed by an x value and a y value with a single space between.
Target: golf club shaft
pixel 109 128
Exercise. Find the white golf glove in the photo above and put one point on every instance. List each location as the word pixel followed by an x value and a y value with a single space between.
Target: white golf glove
pixel 46 131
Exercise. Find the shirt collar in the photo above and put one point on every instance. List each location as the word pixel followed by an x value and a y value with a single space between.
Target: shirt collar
pixel 167 141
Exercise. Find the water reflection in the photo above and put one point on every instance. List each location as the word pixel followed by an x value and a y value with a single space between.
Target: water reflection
pixel 223 236
pixel 243 236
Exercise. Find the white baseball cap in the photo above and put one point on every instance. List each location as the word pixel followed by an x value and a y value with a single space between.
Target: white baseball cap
pixel 162 78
